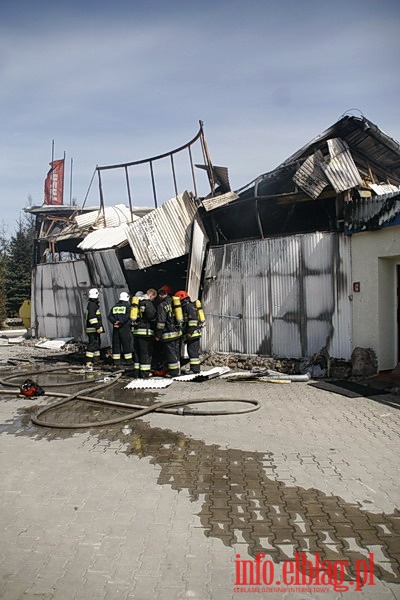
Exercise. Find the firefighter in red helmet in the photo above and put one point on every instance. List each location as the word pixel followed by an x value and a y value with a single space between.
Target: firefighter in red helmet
pixel 168 332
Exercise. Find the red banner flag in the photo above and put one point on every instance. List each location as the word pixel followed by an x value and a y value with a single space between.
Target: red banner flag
pixel 54 183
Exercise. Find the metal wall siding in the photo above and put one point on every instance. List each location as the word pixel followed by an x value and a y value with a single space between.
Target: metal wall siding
pixel 58 299
pixel 341 341
pixel 197 254
pixel 292 293
pixel 105 269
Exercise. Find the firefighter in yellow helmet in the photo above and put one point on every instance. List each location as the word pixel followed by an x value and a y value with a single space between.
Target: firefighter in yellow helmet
pixel 191 330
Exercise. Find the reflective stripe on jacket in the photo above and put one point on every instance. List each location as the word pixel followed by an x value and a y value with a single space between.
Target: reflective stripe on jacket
pixel 166 328
pixel 93 317
pixel 191 327
pixel 146 320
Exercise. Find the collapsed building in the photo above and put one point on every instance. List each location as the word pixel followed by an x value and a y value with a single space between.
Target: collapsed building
pixel 306 256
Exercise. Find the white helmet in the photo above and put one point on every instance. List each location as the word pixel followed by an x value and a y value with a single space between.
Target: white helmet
pixel 93 294
pixel 124 296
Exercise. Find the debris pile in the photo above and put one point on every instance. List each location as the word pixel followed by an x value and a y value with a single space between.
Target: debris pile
pixel 247 362
pixel 338 368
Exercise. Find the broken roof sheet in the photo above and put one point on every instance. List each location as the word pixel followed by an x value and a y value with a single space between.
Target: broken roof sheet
pixel 362 135
pixel 338 169
pixel 216 201
pixel 310 176
pixel 111 216
pixel 164 233
pixel 107 237
pixel 371 214
pixel 384 188
pixel 367 143
pixel 107 226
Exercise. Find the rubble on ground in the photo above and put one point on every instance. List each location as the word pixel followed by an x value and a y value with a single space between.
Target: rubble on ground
pixel 338 368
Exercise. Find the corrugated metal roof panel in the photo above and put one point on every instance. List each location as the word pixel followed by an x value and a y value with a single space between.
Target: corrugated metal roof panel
pixel 285 297
pixel 112 217
pixel 211 203
pixel 106 269
pixel 341 169
pixel 371 214
pixel 107 237
pixel 164 233
pixel 363 138
pixel 384 188
pixel 310 176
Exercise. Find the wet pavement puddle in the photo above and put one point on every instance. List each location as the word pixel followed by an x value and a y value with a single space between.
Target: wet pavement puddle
pixel 241 504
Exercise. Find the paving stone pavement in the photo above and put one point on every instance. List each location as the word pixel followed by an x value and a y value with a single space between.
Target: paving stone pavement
pixel 161 507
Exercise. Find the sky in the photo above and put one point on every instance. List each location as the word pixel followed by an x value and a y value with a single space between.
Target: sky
pixel 120 81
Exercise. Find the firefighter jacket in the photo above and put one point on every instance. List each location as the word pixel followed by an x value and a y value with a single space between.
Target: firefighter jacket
pixel 120 313
pixel 93 317
pixel 191 327
pixel 146 321
pixel 166 327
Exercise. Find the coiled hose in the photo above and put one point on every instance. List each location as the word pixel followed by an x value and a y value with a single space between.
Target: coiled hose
pixel 178 407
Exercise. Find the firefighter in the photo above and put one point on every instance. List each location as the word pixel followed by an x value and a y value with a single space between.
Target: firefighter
pixel 119 316
pixel 191 330
pixel 158 299
pixel 144 333
pixel 135 342
pixel 94 327
pixel 168 332
pixel 158 368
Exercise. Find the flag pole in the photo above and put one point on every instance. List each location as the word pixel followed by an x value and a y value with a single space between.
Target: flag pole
pixel 51 172
pixel 63 174
pixel 70 181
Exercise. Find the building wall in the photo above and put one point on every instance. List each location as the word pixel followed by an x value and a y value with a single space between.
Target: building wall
pixel 285 296
pixel 375 255
pixel 60 295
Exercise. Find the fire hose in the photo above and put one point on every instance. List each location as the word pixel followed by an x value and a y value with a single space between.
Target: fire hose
pixel 179 407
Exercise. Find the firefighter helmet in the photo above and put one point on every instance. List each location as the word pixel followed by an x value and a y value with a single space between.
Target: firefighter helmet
pixel 93 294
pixel 124 296
pixel 167 288
pixel 182 295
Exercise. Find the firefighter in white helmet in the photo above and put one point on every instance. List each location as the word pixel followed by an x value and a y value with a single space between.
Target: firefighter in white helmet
pixel 94 327
pixel 119 316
